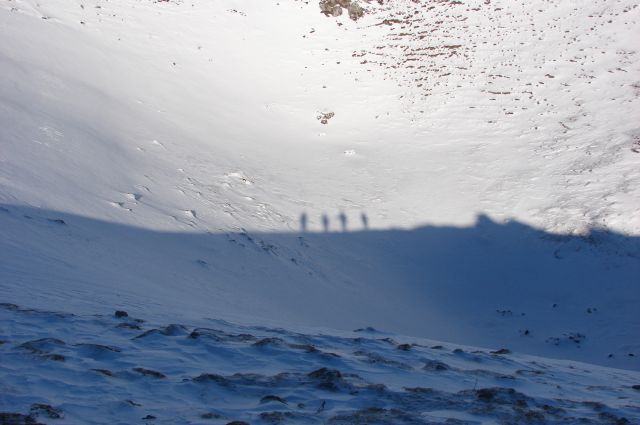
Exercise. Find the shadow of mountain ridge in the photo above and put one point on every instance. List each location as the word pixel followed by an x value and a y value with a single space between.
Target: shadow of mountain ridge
pixel 490 284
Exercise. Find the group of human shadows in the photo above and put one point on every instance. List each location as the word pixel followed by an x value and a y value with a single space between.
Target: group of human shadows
pixel 326 222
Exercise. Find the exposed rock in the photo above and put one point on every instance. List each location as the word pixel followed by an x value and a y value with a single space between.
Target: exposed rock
pixel 326 374
pixel 271 341
pixel 436 365
pixel 330 8
pixel 324 118
pixel 170 330
pixel 105 372
pixel 7 418
pixel 51 412
pixel 149 372
pixel 355 11
pixel 334 8
pixel 270 398
pixel 212 377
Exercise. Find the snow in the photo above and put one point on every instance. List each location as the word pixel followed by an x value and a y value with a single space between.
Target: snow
pixel 477 184
pixel 218 372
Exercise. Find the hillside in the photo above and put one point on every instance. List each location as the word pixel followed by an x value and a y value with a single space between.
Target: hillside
pixel 457 171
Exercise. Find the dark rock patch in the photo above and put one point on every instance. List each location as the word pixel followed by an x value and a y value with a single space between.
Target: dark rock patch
pixel 374 415
pixel 271 341
pixel 50 412
pixel 9 418
pixel 55 357
pixel 335 7
pixel 367 329
pixel 98 347
pixel 280 417
pixel 105 372
pixel 272 398
pixel 326 374
pixel 42 345
pixel 212 377
pixel 499 395
pixel 307 348
pixel 375 358
pixel 12 307
pixel 328 379
pixel 436 366
pixel 150 373
pixel 220 336
pixel 170 330
pixel 490 374
pixel 529 372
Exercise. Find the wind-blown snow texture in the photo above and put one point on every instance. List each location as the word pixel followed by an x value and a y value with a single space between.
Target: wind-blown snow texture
pixel 220 372
pixel 461 171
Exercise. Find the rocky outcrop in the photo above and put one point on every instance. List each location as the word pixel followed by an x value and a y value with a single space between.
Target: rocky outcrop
pixel 335 8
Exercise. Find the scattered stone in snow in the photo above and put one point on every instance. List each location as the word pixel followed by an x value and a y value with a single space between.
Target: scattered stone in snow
pixel 271 398
pixel 9 418
pixel 105 372
pixel 39 409
pixel 436 365
pixel 324 117
pixel 149 372
pixel 247 377
pixel 170 330
pixel 334 8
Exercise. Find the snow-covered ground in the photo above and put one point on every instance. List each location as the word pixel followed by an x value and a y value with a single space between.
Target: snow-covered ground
pixel 477 181
pixel 104 369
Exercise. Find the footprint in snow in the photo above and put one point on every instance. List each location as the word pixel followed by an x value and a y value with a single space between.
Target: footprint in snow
pixel 145 188
pixel 133 196
pixel 120 205
pixel 157 143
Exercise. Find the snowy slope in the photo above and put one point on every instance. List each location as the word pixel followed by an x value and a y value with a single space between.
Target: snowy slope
pixel 218 372
pixel 479 179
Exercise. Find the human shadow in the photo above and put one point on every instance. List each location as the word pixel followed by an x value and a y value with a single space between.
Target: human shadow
pixel 482 284
pixel 325 222
pixel 365 220
pixel 343 221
